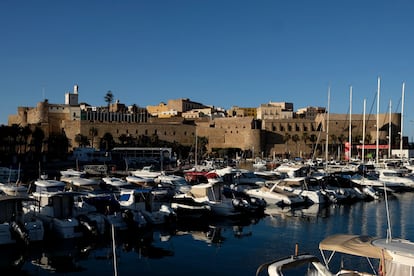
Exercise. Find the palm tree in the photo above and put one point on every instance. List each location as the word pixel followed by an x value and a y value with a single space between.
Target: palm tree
pixel 313 138
pixel 93 132
pixel 37 140
pixel 333 140
pixel 123 138
pixel 107 141
pixel 296 138
pixel 109 98
pixel 81 140
pixel 286 139
pixel 305 138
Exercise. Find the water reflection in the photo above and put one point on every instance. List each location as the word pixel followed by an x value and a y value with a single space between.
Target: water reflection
pixel 222 242
pixel 60 257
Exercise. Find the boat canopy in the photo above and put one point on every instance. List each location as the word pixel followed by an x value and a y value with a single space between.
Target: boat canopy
pixel 357 245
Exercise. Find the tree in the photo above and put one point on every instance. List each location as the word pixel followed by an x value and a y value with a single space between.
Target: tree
pixel 296 138
pixel 286 139
pixel 81 140
pixel 58 145
pixel 37 140
pixel 93 132
pixel 313 139
pixel 202 143
pixel 123 138
pixel 107 141
pixel 109 98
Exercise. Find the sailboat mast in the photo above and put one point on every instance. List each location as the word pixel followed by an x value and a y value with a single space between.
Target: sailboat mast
pixel 389 132
pixel 195 153
pixel 363 134
pixel 378 104
pixel 350 125
pixel 402 119
pixel 327 127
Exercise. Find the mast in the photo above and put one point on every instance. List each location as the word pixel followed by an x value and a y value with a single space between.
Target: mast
pixel 363 134
pixel 389 132
pixel 195 155
pixel 378 102
pixel 402 120
pixel 350 125
pixel 327 127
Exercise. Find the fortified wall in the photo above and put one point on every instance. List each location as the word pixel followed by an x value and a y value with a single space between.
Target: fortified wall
pixel 290 136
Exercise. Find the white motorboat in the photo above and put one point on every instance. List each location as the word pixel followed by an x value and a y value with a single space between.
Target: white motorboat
pixel 63 213
pixel 14 189
pixel 292 170
pixel 395 179
pixel 306 187
pixel 82 184
pixel 259 164
pixel 306 264
pixel 140 202
pixel 368 184
pixel 187 207
pixel 140 180
pixel 45 185
pixel 212 195
pixel 55 210
pixel 146 172
pixel 15 225
pixel 275 195
pixel 394 256
pixel 176 182
pixel 72 173
pixel 116 183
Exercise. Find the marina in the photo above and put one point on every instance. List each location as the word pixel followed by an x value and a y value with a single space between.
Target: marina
pixel 212 245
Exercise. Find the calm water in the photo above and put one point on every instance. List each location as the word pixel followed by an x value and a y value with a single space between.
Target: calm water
pixel 222 247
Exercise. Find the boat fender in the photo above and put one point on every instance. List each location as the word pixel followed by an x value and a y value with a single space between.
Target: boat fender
pixel 19 232
pixel 128 217
pixel 88 225
pixel 236 202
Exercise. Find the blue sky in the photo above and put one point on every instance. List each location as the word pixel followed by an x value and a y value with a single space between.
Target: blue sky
pixel 223 53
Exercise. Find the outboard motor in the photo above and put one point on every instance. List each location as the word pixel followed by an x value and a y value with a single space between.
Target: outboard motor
pixel 128 217
pixel 19 232
pixel 89 226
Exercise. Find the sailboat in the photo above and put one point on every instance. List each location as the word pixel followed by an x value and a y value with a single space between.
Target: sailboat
pixel 395 256
pixel 14 188
pixel 392 256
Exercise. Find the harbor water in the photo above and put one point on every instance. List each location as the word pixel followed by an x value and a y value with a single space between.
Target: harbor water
pixel 214 247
